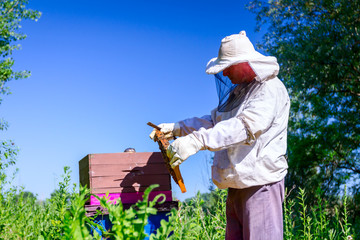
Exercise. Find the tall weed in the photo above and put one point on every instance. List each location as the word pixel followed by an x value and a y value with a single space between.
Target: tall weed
pixel 316 222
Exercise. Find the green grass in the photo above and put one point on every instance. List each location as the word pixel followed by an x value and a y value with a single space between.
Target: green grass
pixel 202 217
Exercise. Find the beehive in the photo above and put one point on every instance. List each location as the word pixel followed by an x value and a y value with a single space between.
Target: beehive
pixel 124 175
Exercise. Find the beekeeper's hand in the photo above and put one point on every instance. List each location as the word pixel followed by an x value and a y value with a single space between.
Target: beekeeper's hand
pixel 182 148
pixel 167 129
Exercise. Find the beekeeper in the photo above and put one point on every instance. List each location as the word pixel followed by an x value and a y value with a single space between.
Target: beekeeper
pixel 248 133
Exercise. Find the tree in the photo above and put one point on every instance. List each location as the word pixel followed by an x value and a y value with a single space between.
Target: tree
pixel 24 196
pixel 317 44
pixel 12 12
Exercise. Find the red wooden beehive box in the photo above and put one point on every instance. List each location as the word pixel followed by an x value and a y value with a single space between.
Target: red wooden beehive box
pixel 124 175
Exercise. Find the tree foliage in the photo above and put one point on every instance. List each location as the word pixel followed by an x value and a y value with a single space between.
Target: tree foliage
pixel 12 12
pixel 317 44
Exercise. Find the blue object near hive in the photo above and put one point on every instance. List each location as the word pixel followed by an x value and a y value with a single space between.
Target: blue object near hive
pixel 151 227
pixel 154 222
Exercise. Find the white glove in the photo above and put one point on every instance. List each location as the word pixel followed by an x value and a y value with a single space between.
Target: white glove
pixel 182 148
pixel 167 129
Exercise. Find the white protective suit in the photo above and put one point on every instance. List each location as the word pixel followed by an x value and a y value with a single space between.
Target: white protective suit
pixel 250 141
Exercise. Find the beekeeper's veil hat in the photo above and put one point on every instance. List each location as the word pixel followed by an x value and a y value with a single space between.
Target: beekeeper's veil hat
pixel 237 48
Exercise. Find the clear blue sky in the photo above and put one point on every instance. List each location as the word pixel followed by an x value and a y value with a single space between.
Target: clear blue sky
pixel 102 69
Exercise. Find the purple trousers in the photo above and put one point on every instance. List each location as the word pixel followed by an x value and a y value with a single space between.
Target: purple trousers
pixel 255 213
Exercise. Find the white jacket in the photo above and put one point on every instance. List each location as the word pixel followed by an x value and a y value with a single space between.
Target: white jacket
pixel 250 141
